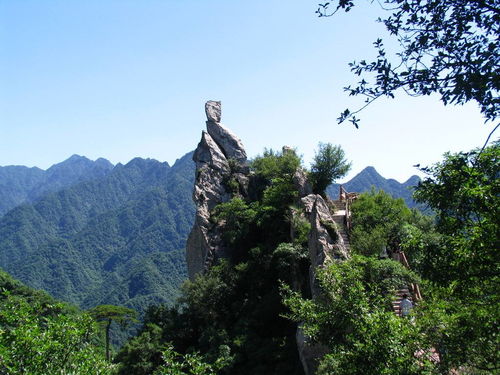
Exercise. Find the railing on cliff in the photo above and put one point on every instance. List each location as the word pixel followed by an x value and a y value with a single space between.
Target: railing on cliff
pixel 400 257
pixel 348 198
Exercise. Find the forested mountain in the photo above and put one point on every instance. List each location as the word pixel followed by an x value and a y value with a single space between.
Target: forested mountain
pixel 369 177
pixel 97 234
pixel 120 238
pixel 117 239
pixel 19 184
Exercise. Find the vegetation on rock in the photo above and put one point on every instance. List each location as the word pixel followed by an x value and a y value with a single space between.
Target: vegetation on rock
pixel 233 312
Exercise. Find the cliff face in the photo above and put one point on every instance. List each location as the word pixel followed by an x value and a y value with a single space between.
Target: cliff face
pixel 221 170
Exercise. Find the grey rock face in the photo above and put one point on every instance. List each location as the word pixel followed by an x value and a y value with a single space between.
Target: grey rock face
pixel 230 145
pixel 209 154
pixel 209 190
pixel 301 184
pixel 325 241
pixel 309 353
pixel 213 172
pixel 213 110
pixel 325 246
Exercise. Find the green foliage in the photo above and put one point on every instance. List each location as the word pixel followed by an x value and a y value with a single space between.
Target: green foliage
pixel 446 47
pixel 236 217
pixel 352 317
pixel 380 344
pixel 420 241
pixel 236 307
pixel 273 164
pixel 189 364
pixel 464 192
pixel 300 227
pixel 377 219
pixel 464 332
pixel 288 261
pixel 40 339
pixel 329 165
pixel 19 184
pixel 231 306
pixel 11 287
pixel 115 239
pixel 331 229
pixel 142 354
pixel 108 314
pixel 119 314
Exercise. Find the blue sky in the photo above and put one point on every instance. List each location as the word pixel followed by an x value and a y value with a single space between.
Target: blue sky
pixel 121 78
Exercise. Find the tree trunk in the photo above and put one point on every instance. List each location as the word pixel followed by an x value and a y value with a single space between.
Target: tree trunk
pixel 108 326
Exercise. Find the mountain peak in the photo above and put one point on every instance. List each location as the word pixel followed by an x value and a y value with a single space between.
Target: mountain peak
pixel 75 157
pixel 369 173
pixel 71 162
pixel 369 177
pixel 370 170
pixel 412 181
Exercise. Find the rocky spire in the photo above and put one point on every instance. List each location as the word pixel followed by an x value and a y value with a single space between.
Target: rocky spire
pixel 230 145
pixel 219 157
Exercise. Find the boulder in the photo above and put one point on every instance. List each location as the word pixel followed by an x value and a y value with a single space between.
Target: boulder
pixel 213 110
pixel 309 353
pixel 325 241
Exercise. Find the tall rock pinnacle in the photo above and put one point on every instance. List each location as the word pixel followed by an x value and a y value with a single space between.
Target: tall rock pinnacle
pixel 220 158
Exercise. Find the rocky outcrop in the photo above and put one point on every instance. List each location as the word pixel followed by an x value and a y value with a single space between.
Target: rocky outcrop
pixel 213 110
pixel 309 353
pixel 221 171
pixel 325 241
pixel 301 183
pixel 229 143
pixel 325 246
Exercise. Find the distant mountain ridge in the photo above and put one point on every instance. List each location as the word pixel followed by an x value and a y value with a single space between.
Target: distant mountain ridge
pixel 117 238
pixel 20 184
pixel 91 233
pixel 369 177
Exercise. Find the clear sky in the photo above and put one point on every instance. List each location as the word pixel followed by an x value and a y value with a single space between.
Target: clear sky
pixel 121 78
